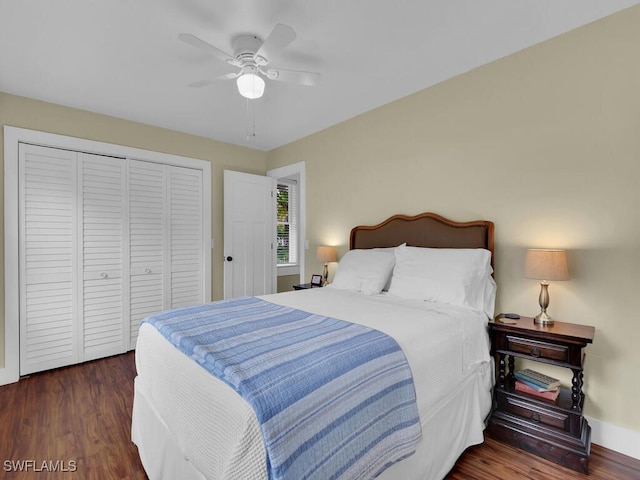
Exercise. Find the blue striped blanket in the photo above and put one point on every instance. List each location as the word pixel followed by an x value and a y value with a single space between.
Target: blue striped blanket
pixel 334 399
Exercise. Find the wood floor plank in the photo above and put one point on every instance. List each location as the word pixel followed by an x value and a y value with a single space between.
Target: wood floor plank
pixel 82 414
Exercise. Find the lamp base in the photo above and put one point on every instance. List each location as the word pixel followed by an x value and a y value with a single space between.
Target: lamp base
pixel 543 319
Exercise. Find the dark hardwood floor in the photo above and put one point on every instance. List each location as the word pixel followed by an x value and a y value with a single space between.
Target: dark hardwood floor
pixel 78 418
pixel 495 460
pixel 79 414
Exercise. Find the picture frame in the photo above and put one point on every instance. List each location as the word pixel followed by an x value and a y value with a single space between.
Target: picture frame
pixel 316 280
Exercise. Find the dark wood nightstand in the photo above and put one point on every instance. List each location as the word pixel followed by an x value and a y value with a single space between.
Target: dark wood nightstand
pixel 555 430
pixel 304 286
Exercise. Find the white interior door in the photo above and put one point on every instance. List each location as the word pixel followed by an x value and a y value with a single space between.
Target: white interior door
pixel 249 234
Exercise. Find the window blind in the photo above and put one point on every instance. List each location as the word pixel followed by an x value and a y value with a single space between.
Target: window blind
pixel 287 222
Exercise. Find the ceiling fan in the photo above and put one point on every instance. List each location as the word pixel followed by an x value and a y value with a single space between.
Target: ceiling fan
pixel 251 55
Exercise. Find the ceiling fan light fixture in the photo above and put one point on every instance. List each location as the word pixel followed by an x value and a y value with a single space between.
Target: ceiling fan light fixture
pixel 250 85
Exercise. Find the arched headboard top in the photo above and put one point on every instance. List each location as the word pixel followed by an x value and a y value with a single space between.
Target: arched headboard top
pixel 424 230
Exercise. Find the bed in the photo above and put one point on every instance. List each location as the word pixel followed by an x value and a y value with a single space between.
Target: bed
pixel 189 424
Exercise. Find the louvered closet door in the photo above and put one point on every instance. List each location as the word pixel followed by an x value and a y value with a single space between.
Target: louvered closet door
pixel 48 264
pixel 185 227
pixel 103 251
pixel 147 242
pixel 104 242
pixel 165 218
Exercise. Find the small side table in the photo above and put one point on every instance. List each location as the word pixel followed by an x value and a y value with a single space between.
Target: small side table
pixel 555 430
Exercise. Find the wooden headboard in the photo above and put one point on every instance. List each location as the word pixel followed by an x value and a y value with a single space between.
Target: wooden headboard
pixel 424 230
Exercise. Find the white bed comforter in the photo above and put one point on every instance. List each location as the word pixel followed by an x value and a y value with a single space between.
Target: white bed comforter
pixel 217 432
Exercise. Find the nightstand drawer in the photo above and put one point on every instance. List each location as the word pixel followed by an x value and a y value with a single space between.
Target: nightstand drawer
pixel 537 349
pixel 528 411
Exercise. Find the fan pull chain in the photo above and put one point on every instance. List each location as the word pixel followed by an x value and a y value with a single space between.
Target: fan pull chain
pixel 251 117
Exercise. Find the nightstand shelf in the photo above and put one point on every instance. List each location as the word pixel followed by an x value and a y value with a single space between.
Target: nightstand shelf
pixel 305 286
pixel 556 430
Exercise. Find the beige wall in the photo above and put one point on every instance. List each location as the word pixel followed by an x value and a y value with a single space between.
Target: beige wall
pixel 27 113
pixel 286 282
pixel 546 143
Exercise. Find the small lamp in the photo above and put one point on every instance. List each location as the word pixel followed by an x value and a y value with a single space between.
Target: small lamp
pixel 326 254
pixel 545 265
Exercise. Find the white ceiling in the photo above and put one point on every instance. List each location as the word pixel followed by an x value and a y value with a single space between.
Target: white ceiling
pixel 123 58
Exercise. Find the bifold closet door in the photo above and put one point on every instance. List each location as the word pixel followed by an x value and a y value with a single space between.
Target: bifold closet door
pixel 103 228
pixel 166 250
pixel 72 249
pixel 49 336
pixel 147 205
pixel 104 242
pixel 185 229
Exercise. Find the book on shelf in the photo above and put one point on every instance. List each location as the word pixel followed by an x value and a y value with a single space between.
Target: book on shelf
pixel 537 388
pixel 540 379
pixel 548 394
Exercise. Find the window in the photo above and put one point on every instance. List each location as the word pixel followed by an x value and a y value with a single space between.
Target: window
pixel 287 222
pixel 290 240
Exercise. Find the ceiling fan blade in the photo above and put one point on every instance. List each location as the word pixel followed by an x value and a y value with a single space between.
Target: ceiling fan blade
pixel 201 83
pixel 229 76
pixel 293 76
pixel 278 39
pixel 204 46
pixel 209 81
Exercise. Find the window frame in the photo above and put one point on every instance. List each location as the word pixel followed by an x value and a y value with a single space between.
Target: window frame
pixel 295 172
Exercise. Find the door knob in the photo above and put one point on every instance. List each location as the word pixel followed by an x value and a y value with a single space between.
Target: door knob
pixel 229 258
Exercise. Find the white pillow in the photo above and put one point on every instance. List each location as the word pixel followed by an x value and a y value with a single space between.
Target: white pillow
pixel 365 270
pixel 457 276
pixel 390 250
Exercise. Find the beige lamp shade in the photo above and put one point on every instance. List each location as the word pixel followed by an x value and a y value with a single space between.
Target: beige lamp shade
pixel 546 264
pixel 326 254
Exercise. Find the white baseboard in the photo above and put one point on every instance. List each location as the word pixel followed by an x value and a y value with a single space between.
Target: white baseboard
pixel 621 440
pixel 8 375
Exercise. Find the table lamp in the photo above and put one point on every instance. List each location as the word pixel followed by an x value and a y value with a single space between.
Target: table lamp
pixel 326 254
pixel 544 265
